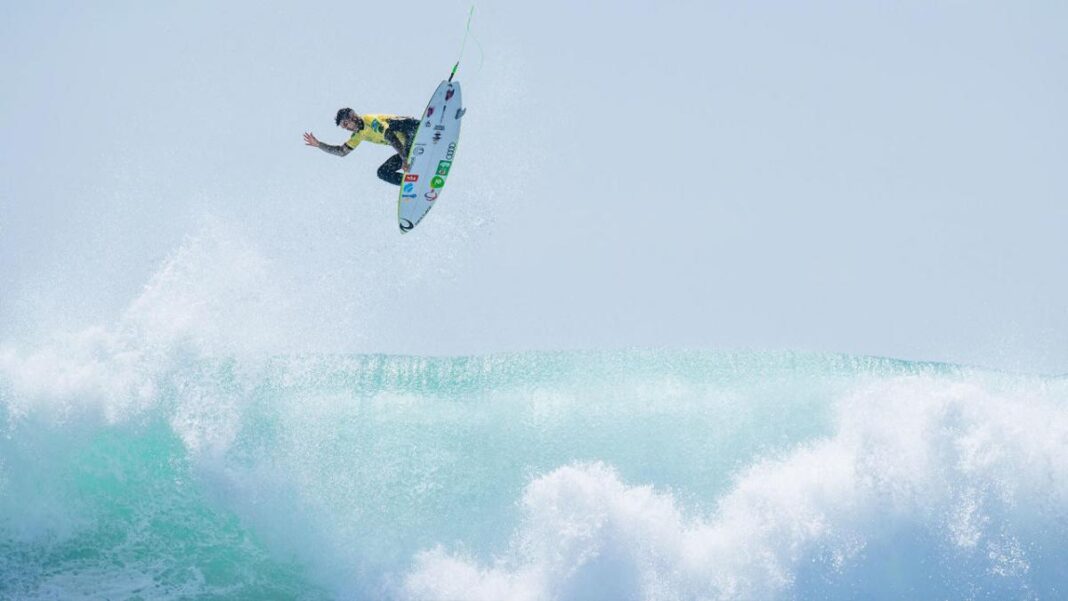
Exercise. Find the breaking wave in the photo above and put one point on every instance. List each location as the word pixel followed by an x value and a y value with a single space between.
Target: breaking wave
pixel 168 455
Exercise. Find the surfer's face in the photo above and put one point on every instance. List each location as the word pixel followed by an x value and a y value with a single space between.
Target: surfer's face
pixel 349 123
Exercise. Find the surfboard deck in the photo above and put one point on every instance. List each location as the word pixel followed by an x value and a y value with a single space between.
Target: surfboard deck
pixel 431 156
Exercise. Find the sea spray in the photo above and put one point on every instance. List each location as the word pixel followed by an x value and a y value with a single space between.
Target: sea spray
pixel 631 474
pixel 183 451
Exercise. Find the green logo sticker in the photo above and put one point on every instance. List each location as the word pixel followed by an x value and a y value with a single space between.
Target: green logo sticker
pixel 443 167
pixel 437 182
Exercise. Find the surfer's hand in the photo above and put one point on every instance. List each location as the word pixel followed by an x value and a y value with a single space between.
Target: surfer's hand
pixel 310 140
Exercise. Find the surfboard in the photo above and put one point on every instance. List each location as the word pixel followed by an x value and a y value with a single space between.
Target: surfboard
pixel 431 156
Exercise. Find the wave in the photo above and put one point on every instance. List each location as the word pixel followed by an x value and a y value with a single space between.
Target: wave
pixel 171 456
pixel 638 474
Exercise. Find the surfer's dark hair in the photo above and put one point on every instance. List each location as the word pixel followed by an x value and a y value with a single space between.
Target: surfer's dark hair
pixel 343 114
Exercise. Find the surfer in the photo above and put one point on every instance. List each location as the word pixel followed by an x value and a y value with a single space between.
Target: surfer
pixel 391 130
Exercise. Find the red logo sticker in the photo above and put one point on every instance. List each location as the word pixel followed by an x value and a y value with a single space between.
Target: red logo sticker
pixel 411 177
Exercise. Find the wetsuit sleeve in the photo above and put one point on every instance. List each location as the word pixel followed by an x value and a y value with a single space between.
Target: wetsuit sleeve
pixel 392 138
pixel 401 132
pixel 335 150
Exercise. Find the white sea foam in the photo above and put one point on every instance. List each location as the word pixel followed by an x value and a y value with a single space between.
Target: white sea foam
pixel 973 474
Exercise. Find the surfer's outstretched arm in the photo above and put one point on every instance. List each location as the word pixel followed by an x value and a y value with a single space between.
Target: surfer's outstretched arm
pixel 311 140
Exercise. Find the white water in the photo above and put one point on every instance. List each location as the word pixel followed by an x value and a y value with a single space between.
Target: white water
pixel 167 454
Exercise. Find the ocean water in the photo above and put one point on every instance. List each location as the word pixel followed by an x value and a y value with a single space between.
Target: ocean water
pixel 599 475
pixel 165 455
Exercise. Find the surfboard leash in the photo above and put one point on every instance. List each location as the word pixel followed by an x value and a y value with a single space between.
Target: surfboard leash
pixel 463 46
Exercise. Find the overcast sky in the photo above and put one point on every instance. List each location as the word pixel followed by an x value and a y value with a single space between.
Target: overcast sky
pixel 882 178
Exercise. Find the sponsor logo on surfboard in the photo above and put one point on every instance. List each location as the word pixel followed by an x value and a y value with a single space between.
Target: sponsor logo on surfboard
pixel 411 177
pixel 405 225
pixel 429 111
pixel 431 196
pixel 439 128
pixel 443 167
pixel 437 137
pixel 408 188
pixel 450 151
pixel 449 93
pixel 437 182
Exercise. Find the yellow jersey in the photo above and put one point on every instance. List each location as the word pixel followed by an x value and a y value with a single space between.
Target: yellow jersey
pixel 374 130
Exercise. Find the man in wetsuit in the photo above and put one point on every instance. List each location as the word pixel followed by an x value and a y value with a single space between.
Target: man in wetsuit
pixel 391 130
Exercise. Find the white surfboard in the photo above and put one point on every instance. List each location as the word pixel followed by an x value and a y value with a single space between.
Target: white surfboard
pixel 430 159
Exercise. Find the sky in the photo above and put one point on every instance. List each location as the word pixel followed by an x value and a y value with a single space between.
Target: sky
pixel 882 178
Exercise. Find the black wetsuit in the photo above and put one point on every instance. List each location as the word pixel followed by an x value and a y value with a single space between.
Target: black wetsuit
pixel 390 171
